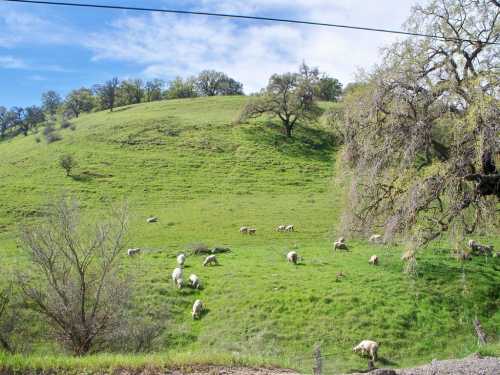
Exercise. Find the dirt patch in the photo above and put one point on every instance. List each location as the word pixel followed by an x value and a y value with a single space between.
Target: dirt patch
pixel 210 370
pixel 472 365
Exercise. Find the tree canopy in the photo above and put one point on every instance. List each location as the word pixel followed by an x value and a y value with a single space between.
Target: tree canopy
pixel 422 130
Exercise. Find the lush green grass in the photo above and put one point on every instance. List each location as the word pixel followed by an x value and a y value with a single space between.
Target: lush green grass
pixel 185 162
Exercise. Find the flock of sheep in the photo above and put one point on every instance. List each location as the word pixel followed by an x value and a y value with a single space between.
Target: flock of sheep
pixel 365 347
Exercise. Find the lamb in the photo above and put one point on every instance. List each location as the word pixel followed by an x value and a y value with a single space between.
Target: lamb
pixel 292 257
pixel 181 259
pixel 367 347
pixel 177 277
pixel 152 219
pixel 197 309
pixel 281 228
pixel 408 255
pixel 134 251
pixel 340 244
pixel 194 281
pixel 244 230
pixel 373 260
pixel 376 238
pixel 289 228
pixel 252 231
pixel 211 259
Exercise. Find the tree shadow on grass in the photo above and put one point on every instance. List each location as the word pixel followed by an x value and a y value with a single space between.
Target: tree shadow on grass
pixel 87 176
pixel 307 142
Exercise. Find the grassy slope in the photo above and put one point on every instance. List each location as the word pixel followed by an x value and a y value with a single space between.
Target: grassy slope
pixel 184 162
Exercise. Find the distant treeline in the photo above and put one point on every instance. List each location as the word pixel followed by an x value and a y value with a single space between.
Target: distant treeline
pixel 115 93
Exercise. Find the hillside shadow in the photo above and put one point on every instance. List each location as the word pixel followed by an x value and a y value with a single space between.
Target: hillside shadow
pixel 307 142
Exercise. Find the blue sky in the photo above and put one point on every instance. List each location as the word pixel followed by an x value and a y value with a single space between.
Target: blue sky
pixel 59 48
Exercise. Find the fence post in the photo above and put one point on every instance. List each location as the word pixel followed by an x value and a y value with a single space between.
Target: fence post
pixel 318 361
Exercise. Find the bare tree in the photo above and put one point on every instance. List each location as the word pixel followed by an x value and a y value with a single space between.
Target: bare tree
pixel 74 281
pixel 422 131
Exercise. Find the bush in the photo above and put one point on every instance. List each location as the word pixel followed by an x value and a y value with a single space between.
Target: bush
pixel 73 282
pixel 50 134
pixel 65 123
pixel 68 163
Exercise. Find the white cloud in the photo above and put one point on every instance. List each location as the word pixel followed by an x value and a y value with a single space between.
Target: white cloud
pixel 18 27
pixel 10 62
pixel 168 45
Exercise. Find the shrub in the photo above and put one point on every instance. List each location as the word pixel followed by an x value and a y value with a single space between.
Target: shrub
pixel 73 282
pixel 68 163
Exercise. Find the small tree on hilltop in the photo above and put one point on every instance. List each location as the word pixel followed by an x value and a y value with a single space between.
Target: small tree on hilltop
pixel 73 280
pixel 68 163
pixel 51 101
pixel 290 97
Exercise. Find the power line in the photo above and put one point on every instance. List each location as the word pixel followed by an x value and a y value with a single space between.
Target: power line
pixel 239 16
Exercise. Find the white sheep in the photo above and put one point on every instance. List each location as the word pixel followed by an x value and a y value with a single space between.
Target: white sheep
pixel 281 228
pixel 181 259
pixel 292 257
pixel 197 309
pixel 152 219
pixel 194 281
pixel 289 228
pixel 373 260
pixel 340 244
pixel 244 230
pixel 376 238
pixel 177 277
pixel 252 231
pixel 211 259
pixel 134 251
pixel 367 347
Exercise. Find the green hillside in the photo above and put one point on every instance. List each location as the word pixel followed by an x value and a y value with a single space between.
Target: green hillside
pixel 185 162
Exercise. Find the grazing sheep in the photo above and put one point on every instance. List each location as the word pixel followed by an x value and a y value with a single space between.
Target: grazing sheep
pixel 244 230
pixel 177 277
pixel 289 228
pixel 367 347
pixel 292 257
pixel 181 259
pixel 134 251
pixel 373 260
pixel 252 231
pixel 211 259
pixel 194 281
pixel 152 219
pixel 376 238
pixel 197 309
pixel 479 249
pixel 281 228
pixel 340 244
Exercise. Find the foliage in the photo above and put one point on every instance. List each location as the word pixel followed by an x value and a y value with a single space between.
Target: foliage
pixel 289 96
pixel 153 90
pixel 107 94
pixel 329 89
pixel 212 83
pixel 51 101
pixel 68 163
pixel 130 92
pixel 181 88
pixel 422 130
pixel 79 101
pixel 73 282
